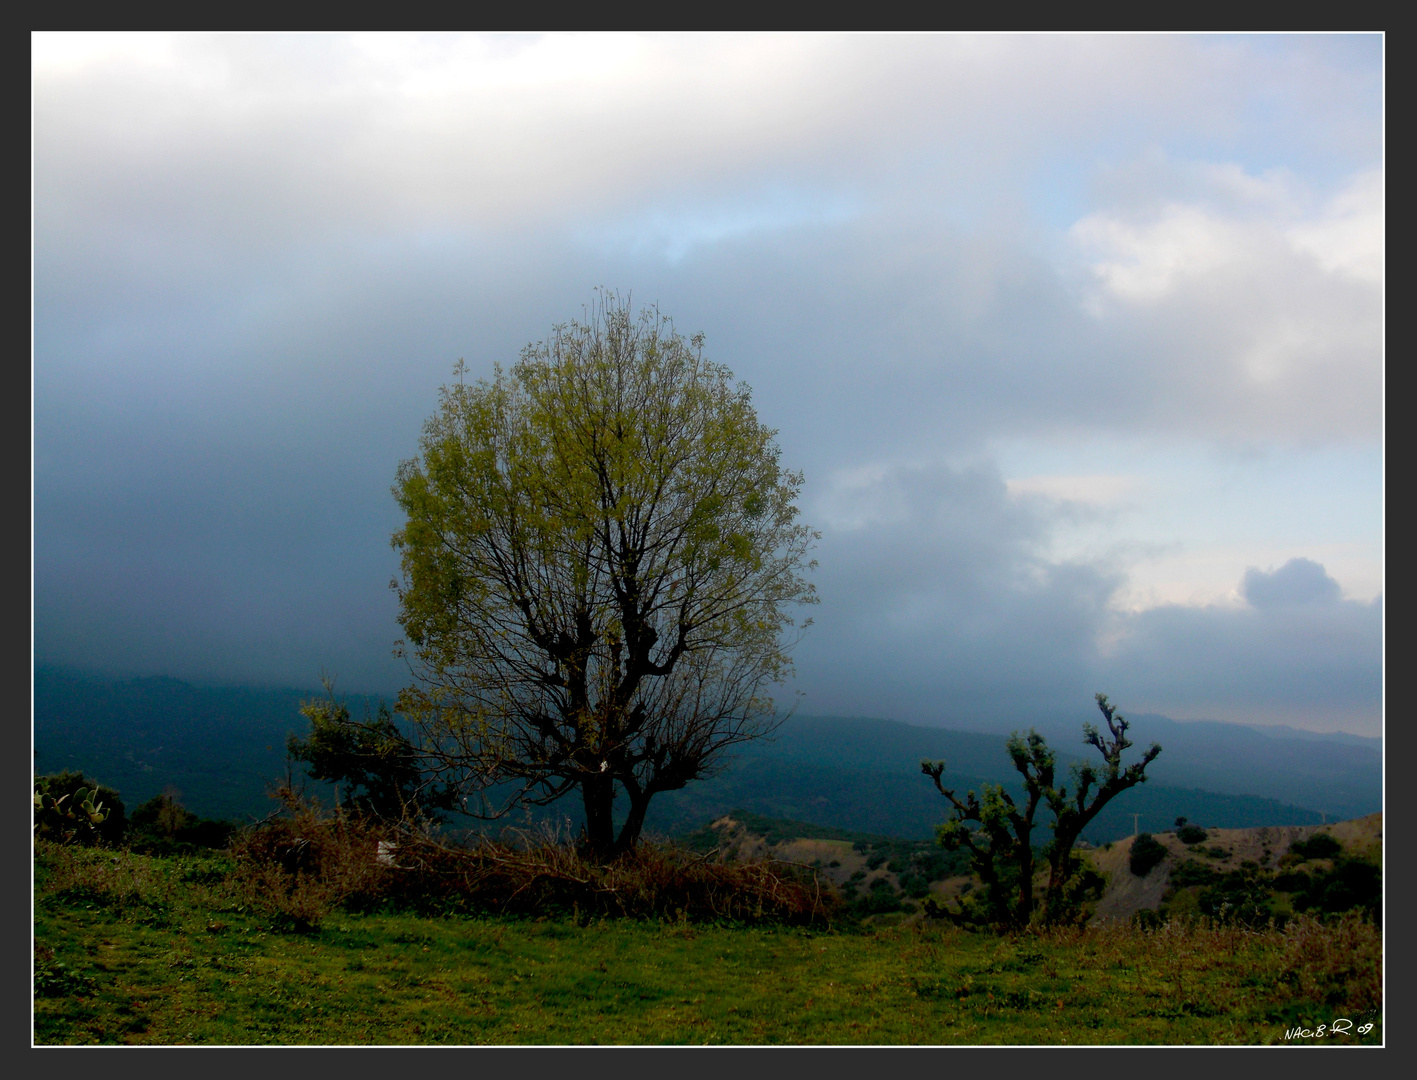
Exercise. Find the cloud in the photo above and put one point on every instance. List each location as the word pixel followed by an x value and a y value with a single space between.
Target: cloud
pixel 1315 665
pixel 940 605
pixel 257 257
pixel 1262 301
pixel 1299 581
pixel 937 600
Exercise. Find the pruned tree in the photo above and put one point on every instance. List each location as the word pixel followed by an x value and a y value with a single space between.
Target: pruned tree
pixel 600 559
pixel 997 832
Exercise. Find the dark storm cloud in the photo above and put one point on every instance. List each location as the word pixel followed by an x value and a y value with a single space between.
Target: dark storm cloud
pixel 938 606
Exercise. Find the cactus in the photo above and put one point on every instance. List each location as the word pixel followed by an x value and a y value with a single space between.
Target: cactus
pixel 79 815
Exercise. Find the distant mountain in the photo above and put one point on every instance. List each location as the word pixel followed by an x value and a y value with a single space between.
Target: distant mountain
pixel 864 774
pixel 1338 775
pixel 222 746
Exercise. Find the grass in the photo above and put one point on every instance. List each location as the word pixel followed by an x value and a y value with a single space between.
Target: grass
pixel 136 949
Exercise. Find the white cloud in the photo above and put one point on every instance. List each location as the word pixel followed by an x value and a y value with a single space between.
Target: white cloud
pixel 1347 236
pixel 1144 262
pixel 1094 490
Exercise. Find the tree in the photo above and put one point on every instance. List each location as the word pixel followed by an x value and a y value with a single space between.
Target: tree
pixel 371 760
pixel 600 555
pixel 997 832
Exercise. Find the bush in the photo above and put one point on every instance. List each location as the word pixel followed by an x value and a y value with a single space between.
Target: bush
pixel 297 867
pixel 1187 872
pixel 163 826
pixel 1350 885
pixel 1146 854
pixel 1319 846
pixel 1191 834
pixel 1147 919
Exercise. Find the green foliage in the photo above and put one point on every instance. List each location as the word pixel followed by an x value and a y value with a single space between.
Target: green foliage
pixel 373 764
pixel 997 832
pixel 53 978
pixel 1351 884
pixel 1247 894
pixel 1191 834
pixel 880 897
pixel 600 552
pixel 163 826
pixel 1318 846
pixel 70 808
pixel 1146 853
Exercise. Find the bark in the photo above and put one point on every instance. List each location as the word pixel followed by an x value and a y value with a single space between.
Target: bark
pixel 598 797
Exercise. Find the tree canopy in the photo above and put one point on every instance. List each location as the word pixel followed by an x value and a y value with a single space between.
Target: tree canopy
pixel 601 561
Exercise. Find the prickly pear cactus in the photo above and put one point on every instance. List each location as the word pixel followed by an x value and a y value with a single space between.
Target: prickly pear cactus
pixel 69 818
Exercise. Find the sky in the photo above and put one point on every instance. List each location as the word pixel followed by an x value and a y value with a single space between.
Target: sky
pixel 1078 340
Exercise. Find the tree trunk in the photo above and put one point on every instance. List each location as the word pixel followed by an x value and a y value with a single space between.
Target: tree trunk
pixel 1025 886
pixel 598 796
pixel 634 823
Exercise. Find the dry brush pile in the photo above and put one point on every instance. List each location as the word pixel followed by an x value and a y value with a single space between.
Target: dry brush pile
pixel 304 863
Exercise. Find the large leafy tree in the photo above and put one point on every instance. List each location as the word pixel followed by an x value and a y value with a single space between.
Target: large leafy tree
pixel 997 831
pixel 601 561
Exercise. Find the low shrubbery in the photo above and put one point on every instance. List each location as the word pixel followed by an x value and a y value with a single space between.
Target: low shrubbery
pixel 163 826
pixel 1318 846
pixel 1190 834
pixel 306 863
pixel 1252 895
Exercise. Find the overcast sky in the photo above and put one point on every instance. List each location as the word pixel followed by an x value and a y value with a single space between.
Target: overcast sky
pixel 1079 340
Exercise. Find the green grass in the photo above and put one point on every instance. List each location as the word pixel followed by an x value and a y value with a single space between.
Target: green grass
pixel 133 949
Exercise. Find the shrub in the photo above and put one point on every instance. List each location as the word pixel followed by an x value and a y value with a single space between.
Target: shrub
pixel 163 826
pixel 1350 885
pixel 1188 872
pixel 297 866
pixel 1191 834
pixel 1146 853
pixel 1147 919
pixel 1319 846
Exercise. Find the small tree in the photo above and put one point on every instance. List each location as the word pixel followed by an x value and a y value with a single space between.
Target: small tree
pixel 374 767
pixel 600 556
pixel 997 832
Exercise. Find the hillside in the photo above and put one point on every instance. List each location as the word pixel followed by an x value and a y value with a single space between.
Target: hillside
pixel 1263 867
pixel 222 746
pixel 1259 861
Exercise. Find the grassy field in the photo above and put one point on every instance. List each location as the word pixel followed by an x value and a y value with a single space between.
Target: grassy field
pixel 134 949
